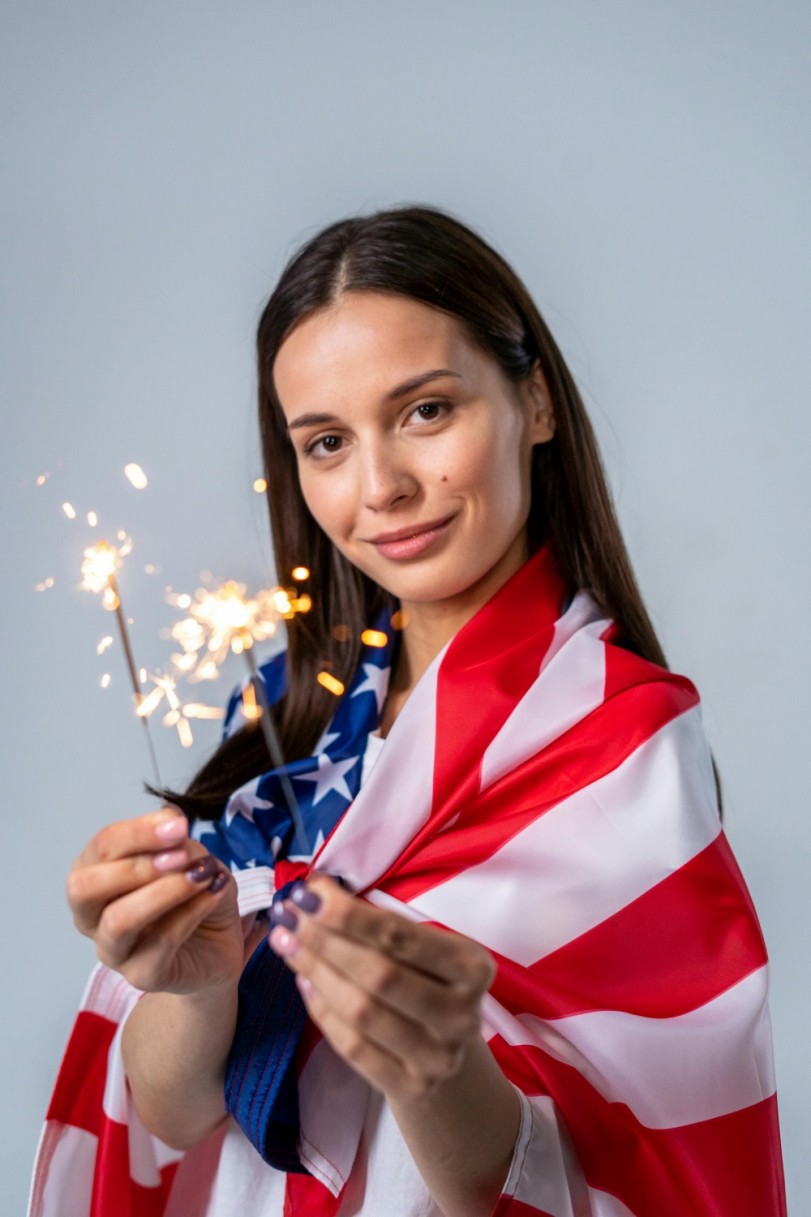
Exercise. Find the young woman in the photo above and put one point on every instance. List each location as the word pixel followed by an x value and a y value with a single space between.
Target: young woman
pixel 582 1027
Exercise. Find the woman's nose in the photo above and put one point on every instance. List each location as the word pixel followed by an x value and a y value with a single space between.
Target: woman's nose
pixel 386 480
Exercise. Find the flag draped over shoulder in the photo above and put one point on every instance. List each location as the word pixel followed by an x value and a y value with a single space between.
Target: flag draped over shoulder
pixel 550 795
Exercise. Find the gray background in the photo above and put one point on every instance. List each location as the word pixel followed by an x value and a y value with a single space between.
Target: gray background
pixel 646 168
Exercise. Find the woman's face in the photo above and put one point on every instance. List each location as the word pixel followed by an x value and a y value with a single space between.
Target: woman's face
pixel 413 447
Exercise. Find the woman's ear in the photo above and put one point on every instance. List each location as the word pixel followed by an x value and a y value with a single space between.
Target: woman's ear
pixel 541 410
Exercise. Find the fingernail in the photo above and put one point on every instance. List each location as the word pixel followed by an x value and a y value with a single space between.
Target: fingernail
pixel 306 899
pixel 282 941
pixel 219 881
pixel 280 915
pixel 171 859
pixel 205 868
pixel 176 828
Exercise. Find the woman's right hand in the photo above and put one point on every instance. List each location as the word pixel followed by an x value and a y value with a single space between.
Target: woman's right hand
pixel 161 910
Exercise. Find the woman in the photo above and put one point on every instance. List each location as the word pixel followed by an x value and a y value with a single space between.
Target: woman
pixel 522 769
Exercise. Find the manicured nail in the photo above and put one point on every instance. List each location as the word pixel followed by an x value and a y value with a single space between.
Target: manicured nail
pixel 171 859
pixel 203 869
pixel 218 882
pixel 280 915
pixel 306 899
pixel 176 828
pixel 282 941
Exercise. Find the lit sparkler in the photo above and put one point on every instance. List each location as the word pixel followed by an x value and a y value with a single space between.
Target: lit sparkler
pixel 178 714
pixel 99 570
pixel 225 621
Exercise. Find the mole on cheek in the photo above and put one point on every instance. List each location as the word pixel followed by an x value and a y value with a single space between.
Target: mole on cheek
pixel 444 477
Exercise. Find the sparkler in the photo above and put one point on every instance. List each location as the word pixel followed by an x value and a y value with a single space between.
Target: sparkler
pixel 225 621
pixel 178 714
pixel 99 569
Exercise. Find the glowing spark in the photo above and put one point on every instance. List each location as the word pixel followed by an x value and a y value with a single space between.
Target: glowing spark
pixel 142 675
pixel 149 569
pixel 45 585
pixel 42 479
pixel 136 476
pixel 69 510
pixel 177 714
pixel 92 519
pixel 196 710
pixel 260 485
pixel 105 642
pixel 99 568
pixel 341 633
pixel 374 638
pixel 330 682
pixel 227 620
pixel 399 620
pixel 105 680
pixel 300 573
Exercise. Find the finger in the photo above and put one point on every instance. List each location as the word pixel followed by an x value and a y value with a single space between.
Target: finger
pixel 382 1048
pixel 90 888
pixel 447 1011
pixel 124 921
pixel 437 952
pixel 157 963
pixel 156 831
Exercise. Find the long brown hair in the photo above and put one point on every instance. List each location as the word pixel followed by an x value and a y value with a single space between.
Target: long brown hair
pixel 429 256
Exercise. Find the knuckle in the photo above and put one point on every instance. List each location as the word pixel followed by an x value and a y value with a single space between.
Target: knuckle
pixel 353 1048
pixel 76 886
pixel 394 935
pixel 362 1009
pixel 382 977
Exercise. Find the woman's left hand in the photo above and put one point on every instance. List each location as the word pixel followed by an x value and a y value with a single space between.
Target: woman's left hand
pixel 398 1000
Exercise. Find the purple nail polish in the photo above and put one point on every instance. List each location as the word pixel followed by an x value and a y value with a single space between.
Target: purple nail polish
pixel 306 899
pixel 203 869
pixel 218 882
pixel 279 915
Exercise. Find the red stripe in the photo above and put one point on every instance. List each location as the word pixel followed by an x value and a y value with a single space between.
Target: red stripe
pixel 592 748
pixel 678 946
pixel 115 1194
pixel 487 669
pixel 721 1167
pixel 306 1197
pixel 79 1091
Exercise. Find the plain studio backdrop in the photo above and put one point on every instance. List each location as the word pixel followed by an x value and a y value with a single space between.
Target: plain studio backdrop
pixel 645 166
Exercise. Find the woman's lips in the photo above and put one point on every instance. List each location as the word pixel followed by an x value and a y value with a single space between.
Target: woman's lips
pixel 413 544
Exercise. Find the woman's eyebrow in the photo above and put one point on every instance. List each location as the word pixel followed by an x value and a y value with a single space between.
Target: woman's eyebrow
pixel 407 386
pixel 416 382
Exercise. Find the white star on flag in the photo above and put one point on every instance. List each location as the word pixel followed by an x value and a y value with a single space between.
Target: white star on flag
pixel 377 682
pixel 326 741
pixel 330 776
pixel 245 802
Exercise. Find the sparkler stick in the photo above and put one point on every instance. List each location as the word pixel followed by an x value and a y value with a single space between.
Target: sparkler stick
pixel 101 561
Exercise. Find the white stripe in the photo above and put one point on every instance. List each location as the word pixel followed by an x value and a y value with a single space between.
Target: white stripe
pixel 545 1172
pixel 402 778
pixel 570 685
pixel 671 1071
pixel 603 1204
pixel 328 1146
pixel 592 854
pixel 255 889
pixel 68 1173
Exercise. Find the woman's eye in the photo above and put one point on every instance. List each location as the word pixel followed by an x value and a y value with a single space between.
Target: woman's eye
pixel 325 445
pixel 429 411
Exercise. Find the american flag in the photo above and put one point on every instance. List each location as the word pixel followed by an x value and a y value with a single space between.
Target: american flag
pixel 550 795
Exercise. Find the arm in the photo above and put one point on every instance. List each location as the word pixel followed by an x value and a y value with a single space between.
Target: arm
pixel 163 913
pixel 400 1002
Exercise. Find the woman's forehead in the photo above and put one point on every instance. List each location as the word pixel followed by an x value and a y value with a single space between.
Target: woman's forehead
pixel 373 340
